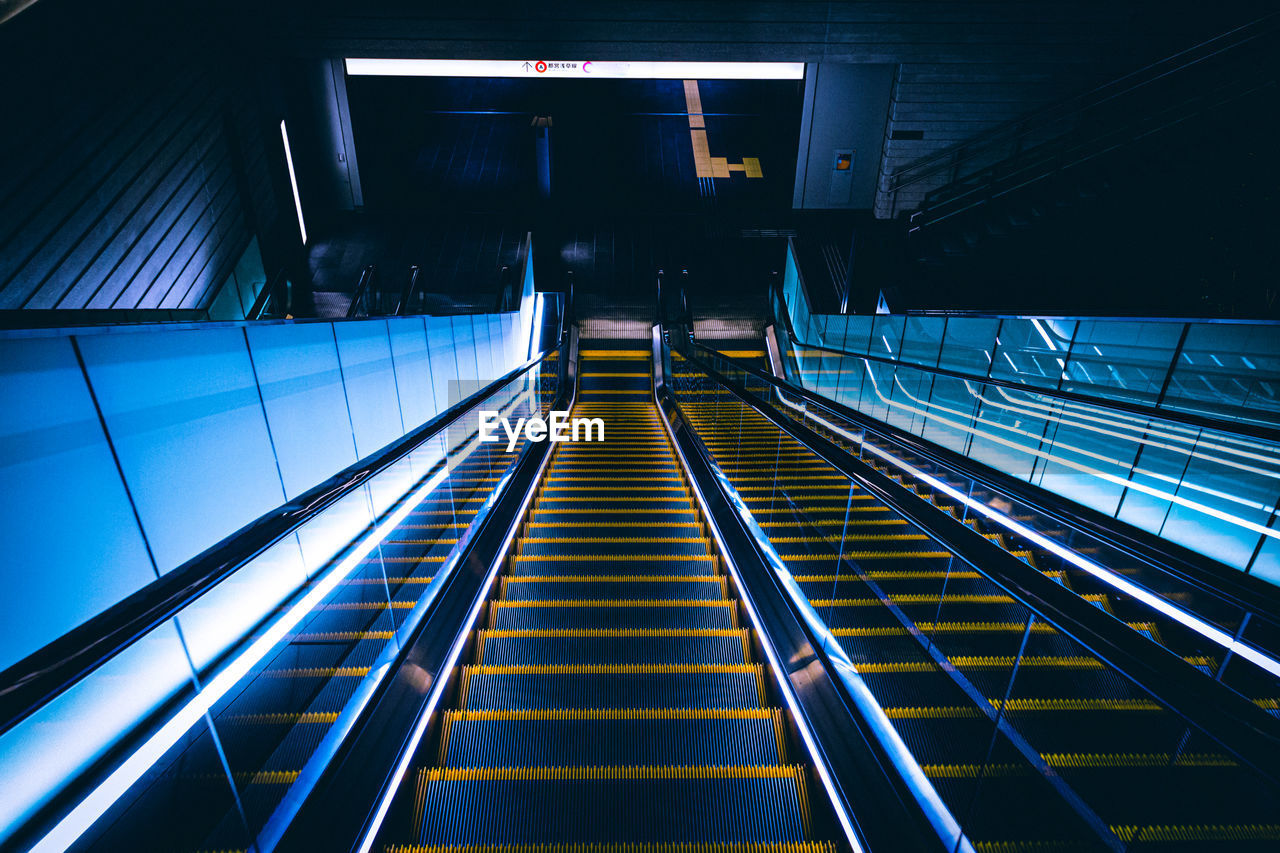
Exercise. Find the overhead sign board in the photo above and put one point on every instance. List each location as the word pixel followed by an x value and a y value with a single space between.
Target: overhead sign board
pixel 581 68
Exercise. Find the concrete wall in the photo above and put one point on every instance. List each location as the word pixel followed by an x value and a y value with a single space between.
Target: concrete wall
pixel 137 168
pixel 845 107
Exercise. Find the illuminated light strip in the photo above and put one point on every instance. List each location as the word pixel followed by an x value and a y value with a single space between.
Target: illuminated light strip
pixel 1044 334
pixel 1102 573
pixel 1063 446
pixel 1133 484
pixel 939 816
pixel 1144 471
pixel 1134 421
pixel 1031 408
pixel 576 68
pixel 102 797
pixel 293 181
pixel 437 689
pixel 1165 416
pixel 288 808
pixel 535 331
pixel 802 724
pixel 106 793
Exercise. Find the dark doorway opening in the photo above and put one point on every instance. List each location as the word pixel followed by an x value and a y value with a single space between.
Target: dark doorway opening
pixel 621 146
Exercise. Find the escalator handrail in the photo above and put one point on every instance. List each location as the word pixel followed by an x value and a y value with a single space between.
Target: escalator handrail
pixel 383 738
pixel 265 296
pixel 362 286
pixel 876 780
pixel 37 679
pixel 1231 587
pixel 1238 725
pixel 407 292
pixel 1194 419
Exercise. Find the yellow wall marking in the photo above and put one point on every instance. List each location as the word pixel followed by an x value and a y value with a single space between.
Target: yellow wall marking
pixel 704 164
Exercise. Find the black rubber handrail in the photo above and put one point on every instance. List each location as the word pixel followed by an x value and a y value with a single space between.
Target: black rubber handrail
pixel 888 808
pixel 1230 587
pixel 265 296
pixel 343 806
pixel 1238 725
pixel 32 682
pixel 408 291
pixel 362 286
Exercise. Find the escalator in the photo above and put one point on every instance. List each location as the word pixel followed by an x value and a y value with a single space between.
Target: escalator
pixel 612 694
pixel 628 680
pixel 269 729
pixel 1212 597
pixel 1033 742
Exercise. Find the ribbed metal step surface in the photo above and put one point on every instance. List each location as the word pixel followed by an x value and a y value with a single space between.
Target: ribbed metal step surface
pixel 895 599
pixel 612 694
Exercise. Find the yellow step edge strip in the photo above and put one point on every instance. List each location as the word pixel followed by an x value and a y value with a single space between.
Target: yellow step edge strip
pixel 628 498
pixel 619 669
pixel 601 511
pixel 616 714
pixel 1081 761
pixel 518 579
pixel 579 558
pixel 617 602
pixel 1073 705
pixel 368 605
pixel 562 633
pixel 544 774
pixel 619 540
pixel 985 662
pixel 318 672
pixel 947 628
pixel 625 487
pixel 282 719
pixel 623 847
pixel 579 524
pixel 1015 706
pixel 867 555
pixel 910 599
pixel 342 636
pixel 1199 832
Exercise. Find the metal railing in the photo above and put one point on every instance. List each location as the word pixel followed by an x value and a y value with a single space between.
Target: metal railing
pixel 982 159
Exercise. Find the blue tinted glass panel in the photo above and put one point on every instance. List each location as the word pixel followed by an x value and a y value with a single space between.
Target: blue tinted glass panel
pixel 1032 351
pixel 1228 370
pixel 301 383
pixel 1121 360
pixel 370 381
pixel 413 370
pixel 56 466
pixel 183 411
pixel 969 345
pixel 922 340
pixel 886 336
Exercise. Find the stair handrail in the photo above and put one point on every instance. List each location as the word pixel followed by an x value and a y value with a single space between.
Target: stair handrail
pixel 950 158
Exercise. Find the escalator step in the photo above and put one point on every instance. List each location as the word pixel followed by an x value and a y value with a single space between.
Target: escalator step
pixel 587 742
pixel 659 588
pixel 633 804
pixel 626 686
pixel 729 648
pixel 565 546
pixel 640 567
pixel 515 615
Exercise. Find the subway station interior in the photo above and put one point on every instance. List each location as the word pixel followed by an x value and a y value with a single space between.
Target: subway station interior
pixel 671 426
